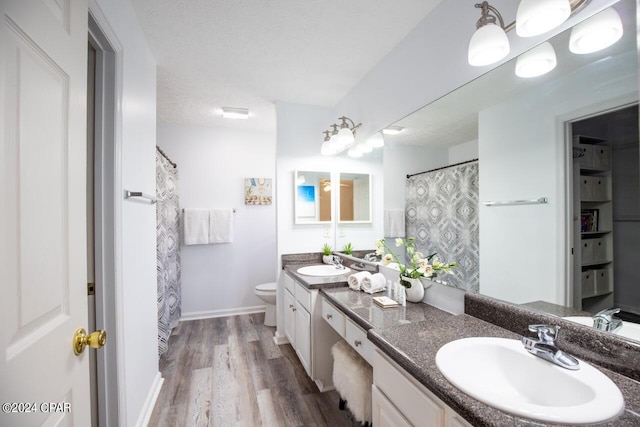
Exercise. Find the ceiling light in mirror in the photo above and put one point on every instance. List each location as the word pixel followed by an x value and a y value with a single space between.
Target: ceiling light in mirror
pixel 535 17
pixel 235 113
pixel 364 147
pixel 392 130
pixel 596 33
pixel 345 137
pixel 354 152
pixel 536 62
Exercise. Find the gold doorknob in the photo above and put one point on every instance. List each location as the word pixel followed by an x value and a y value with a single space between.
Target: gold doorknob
pixel 95 339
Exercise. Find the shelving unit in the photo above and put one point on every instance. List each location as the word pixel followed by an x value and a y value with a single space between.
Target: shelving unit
pixel 593 289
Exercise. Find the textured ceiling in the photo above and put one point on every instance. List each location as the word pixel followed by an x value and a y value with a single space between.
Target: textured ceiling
pixel 250 53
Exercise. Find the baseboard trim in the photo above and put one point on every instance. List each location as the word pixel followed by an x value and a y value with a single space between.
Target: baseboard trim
pixel 197 315
pixel 150 403
pixel 280 339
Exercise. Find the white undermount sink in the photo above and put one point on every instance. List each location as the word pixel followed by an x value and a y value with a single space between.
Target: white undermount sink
pixel 322 270
pixel 628 329
pixel 502 374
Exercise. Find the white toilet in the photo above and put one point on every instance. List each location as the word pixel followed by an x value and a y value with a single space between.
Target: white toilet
pixel 267 293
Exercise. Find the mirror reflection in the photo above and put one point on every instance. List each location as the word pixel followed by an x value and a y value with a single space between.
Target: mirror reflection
pixel 355 198
pixel 523 131
pixel 312 191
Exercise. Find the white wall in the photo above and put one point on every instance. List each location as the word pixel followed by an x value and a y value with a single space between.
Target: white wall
pixel 463 152
pixel 299 137
pixel 137 295
pixel 213 163
pixel 523 150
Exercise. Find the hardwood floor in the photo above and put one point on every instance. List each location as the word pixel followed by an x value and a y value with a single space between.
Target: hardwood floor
pixel 228 372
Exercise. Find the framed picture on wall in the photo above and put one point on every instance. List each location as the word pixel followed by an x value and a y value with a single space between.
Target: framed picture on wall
pixel 258 191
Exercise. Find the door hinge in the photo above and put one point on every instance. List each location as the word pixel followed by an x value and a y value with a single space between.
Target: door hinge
pixel 91 288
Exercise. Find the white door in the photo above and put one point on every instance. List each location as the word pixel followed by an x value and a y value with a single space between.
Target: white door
pixel 43 48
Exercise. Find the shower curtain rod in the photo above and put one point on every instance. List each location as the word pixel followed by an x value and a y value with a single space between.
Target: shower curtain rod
pixel 444 167
pixel 166 157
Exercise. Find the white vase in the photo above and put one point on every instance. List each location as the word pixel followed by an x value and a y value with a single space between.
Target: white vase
pixel 416 292
pixel 327 259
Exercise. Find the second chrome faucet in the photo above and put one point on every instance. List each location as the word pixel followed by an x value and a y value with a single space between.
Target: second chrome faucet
pixel 545 347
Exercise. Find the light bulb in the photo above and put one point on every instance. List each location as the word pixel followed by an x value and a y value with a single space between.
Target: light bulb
pixel 488 45
pixel 537 61
pixel 596 33
pixel 327 148
pixel 536 17
pixel 345 137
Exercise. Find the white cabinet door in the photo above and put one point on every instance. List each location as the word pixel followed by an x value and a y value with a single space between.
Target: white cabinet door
pixel 384 413
pixel 290 318
pixel 303 336
pixel 43 273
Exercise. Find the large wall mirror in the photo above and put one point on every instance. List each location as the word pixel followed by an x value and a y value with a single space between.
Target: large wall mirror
pixel 355 198
pixel 313 198
pixel 524 129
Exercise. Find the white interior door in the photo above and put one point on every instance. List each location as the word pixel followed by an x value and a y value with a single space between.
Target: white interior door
pixel 43 48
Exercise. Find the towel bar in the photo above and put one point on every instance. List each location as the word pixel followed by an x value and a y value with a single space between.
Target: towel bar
pixel 233 210
pixel 539 201
pixel 128 194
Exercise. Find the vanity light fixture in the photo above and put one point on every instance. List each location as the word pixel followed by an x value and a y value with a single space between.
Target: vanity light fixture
pixel 392 130
pixel 235 113
pixel 339 137
pixel 489 43
pixel 364 147
pixel 596 33
pixel 537 61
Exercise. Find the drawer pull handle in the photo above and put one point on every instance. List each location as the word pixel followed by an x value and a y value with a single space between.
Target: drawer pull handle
pixel 357 343
pixel 329 316
pixel 290 305
pixel 294 309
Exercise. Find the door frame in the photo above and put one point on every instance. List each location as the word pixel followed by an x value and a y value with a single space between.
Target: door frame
pixel 108 223
pixel 564 129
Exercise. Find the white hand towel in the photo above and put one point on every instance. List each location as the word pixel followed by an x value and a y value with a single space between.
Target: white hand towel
pixel 220 226
pixel 355 280
pixel 196 226
pixel 374 283
pixel 394 223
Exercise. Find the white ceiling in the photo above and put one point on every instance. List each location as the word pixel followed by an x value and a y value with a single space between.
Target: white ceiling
pixel 251 53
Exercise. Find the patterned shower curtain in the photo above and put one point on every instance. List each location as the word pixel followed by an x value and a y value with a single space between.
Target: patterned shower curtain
pixel 167 249
pixel 442 215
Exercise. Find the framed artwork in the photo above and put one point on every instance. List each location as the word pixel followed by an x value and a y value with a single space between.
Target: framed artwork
pixel 258 191
pixel 306 203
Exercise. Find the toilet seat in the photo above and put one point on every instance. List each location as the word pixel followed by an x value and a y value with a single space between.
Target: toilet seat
pixel 266 287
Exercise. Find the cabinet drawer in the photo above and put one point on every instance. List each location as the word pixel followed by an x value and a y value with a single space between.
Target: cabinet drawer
pixel 601 157
pixel 599 249
pixel 384 413
pixel 357 338
pixel 586 161
pixel 333 317
pixel 289 284
pixel 418 406
pixel 603 282
pixel 303 296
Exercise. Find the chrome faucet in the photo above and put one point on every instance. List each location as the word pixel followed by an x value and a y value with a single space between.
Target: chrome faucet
pixel 336 261
pixel 372 257
pixel 605 321
pixel 545 347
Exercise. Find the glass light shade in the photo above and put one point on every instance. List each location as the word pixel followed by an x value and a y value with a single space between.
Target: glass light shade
pixel 354 153
pixel 235 113
pixel 392 130
pixel 364 147
pixel 345 137
pixel 334 142
pixel 596 33
pixel 488 45
pixel 536 17
pixel 376 140
pixel 536 62
pixel 327 149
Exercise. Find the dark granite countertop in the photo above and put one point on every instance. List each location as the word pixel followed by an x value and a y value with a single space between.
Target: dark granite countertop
pixel 412 335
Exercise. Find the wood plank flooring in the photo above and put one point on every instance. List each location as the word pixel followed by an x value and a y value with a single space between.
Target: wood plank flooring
pixel 228 372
